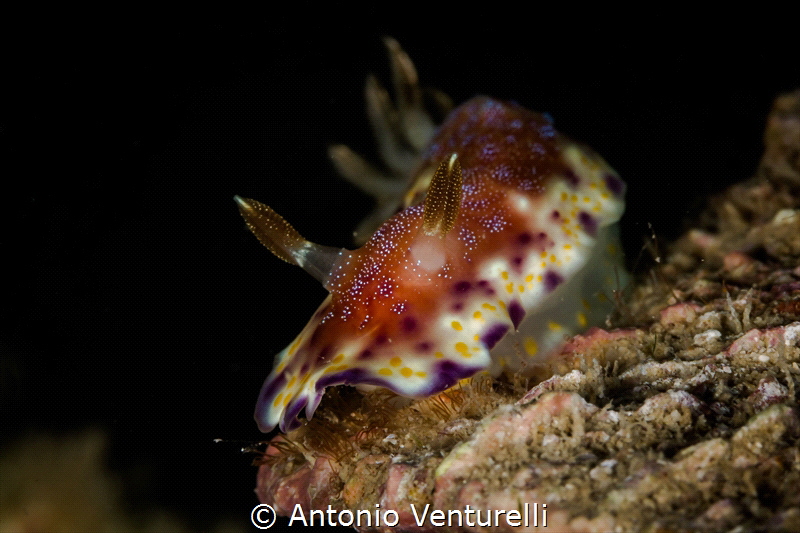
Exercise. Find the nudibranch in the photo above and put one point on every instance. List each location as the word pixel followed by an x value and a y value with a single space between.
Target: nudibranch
pixel 504 241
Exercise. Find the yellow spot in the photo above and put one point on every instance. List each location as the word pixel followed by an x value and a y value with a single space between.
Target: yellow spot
pixel 456 325
pixel 476 337
pixel 395 361
pixel 489 306
pixel 531 348
pixel 510 286
pixel 421 374
pixel 586 304
pixel 338 358
pixel 568 247
pixel 522 288
pixel 554 326
pixel 605 195
pixel 385 371
pixel 566 220
pixel 587 199
pixel 564 196
pixel 539 278
pixel 529 278
pixel 406 372
pixel 277 401
pixel 438 355
pixel 582 319
pixel 552 258
pixel 291 382
pixel 612 250
pixel 593 185
pixel 286 400
pixel 462 349
pixel 501 303
pixel 295 345
pixel 544 264
pixel 305 378
pixel 567 232
pixel 504 274
pixel 477 315
pixel 544 254
pixel 574 198
pixel 602 297
pixel 597 209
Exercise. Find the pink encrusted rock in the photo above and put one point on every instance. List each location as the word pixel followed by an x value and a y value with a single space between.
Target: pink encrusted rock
pixel 406 485
pixel 510 428
pixel 758 340
pixel 769 392
pixel 593 338
pixel 740 267
pixel 669 405
pixel 571 381
pixel 310 486
pixel 682 313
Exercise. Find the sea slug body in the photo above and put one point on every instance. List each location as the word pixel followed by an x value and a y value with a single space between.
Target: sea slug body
pixel 505 241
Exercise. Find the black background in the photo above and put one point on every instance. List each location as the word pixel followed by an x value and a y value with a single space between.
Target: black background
pixel 138 302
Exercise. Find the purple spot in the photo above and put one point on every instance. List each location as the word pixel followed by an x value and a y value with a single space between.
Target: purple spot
pixel 552 280
pixel 524 238
pixel 458 306
pixel 271 386
pixel 483 284
pixel 423 346
pixel 325 353
pixel 516 313
pixel 493 335
pixel 446 374
pixel 365 354
pixel 381 339
pixel 555 215
pixel 572 179
pixel 588 222
pixel 541 237
pixel 614 184
pixel 516 261
pixel 409 324
pixel 462 286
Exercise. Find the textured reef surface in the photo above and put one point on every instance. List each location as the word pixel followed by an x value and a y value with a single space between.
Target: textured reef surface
pixel 683 416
